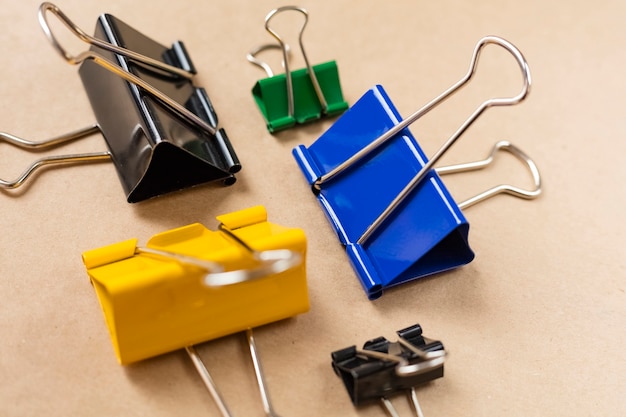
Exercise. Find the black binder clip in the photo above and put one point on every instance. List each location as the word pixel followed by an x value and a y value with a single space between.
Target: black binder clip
pixel 161 130
pixel 383 368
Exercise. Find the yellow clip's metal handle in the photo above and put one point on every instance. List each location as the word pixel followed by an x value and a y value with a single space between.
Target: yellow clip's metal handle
pixel 270 262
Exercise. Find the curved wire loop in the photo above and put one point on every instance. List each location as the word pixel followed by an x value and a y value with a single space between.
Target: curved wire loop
pixel 260 378
pixel 521 61
pixel 502 188
pixel 251 57
pixel 116 69
pixel 51 160
pixel 427 362
pixel 80 34
pixel 270 262
pixel 283 45
pixel 492 102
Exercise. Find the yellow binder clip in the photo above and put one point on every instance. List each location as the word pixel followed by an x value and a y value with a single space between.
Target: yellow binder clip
pixel 191 285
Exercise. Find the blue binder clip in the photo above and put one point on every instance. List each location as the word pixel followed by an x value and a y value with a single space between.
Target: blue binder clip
pixel 388 205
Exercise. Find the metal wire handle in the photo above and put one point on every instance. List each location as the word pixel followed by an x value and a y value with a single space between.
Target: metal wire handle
pixel 117 70
pixel 51 160
pixel 429 361
pixel 270 262
pixel 208 380
pixel 212 388
pixel 80 34
pixel 502 188
pixel 417 179
pixel 438 100
pixel 251 56
pixel 283 45
pixel 260 377
pixel 391 410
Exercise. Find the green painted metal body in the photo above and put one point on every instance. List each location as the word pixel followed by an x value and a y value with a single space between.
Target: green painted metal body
pixel 270 95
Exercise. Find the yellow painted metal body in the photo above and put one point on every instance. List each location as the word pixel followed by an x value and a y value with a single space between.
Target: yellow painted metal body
pixel 154 305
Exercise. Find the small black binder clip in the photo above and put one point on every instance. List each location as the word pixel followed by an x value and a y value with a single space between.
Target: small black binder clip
pixel 383 368
pixel 161 130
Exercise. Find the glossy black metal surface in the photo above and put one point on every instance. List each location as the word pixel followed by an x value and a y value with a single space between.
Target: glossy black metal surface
pixel 154 150
pixel 367 379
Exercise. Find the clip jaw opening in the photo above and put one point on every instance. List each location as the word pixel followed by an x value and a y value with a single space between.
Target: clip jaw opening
pixel 54 159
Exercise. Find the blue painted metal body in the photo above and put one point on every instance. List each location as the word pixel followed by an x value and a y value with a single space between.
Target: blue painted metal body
pixel 427 234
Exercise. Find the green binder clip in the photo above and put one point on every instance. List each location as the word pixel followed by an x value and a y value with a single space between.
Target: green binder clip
pixel 299 96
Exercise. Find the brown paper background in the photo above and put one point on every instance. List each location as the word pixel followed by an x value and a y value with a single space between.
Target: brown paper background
pixel 534 326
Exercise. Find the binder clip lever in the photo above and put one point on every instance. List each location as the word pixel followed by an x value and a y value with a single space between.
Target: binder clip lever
pixel 51 160
pixel 438 100
pixel 296 96
pixel 252 56
pixel 309 68
pixel 418 178
pixel 186 72
pixel 270 262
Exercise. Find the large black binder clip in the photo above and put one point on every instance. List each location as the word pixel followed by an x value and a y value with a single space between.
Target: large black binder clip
pixel 383 368
pixel 161 130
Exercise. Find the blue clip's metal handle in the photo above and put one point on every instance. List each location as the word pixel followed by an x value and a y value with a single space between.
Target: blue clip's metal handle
pixel 493 102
